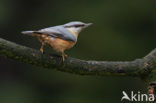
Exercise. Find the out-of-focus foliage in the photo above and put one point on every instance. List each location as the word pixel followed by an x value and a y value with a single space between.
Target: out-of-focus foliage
pixel 122 30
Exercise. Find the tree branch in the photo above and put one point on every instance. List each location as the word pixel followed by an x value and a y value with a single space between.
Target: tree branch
pixel 137 68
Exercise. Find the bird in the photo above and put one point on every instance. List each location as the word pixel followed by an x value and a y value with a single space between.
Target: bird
pixel 60 38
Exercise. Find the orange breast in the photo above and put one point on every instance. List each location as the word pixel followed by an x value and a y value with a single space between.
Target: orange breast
pixel 57 44
pixel 60 45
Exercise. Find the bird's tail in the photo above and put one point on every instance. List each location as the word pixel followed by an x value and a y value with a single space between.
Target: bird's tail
pixel 27 32
pixel 31 33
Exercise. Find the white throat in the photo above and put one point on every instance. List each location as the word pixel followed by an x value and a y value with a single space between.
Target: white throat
pixel 74 31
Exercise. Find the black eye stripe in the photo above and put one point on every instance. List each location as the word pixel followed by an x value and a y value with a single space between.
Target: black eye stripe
pixel 81 25
pixel 78 25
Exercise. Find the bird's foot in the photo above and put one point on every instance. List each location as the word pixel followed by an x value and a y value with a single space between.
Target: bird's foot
pixel 64 56
pixel 42 50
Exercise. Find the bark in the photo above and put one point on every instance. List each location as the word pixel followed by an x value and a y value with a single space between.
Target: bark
pixel 137 68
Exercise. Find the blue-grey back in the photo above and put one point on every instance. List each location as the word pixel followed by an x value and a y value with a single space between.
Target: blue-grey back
pixel 60 32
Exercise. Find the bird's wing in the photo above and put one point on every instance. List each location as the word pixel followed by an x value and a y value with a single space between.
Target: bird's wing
pixel 59 32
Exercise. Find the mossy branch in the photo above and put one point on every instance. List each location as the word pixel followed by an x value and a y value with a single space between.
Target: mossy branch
pixel 137 68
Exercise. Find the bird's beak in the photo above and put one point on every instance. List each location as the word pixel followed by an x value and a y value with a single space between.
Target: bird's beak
pixel 88 24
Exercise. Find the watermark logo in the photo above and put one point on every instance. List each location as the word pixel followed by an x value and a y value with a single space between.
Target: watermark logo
pixel 137 96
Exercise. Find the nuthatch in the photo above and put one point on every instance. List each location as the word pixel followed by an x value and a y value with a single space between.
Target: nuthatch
pixel 61 37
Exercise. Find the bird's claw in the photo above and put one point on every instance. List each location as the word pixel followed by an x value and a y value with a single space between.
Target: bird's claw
pixel 41 49
pixel 64 56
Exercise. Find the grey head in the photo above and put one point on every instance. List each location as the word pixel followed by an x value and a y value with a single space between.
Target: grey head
pixel 76 26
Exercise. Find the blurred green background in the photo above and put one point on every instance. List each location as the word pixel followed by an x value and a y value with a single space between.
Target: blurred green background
pixel 122 30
